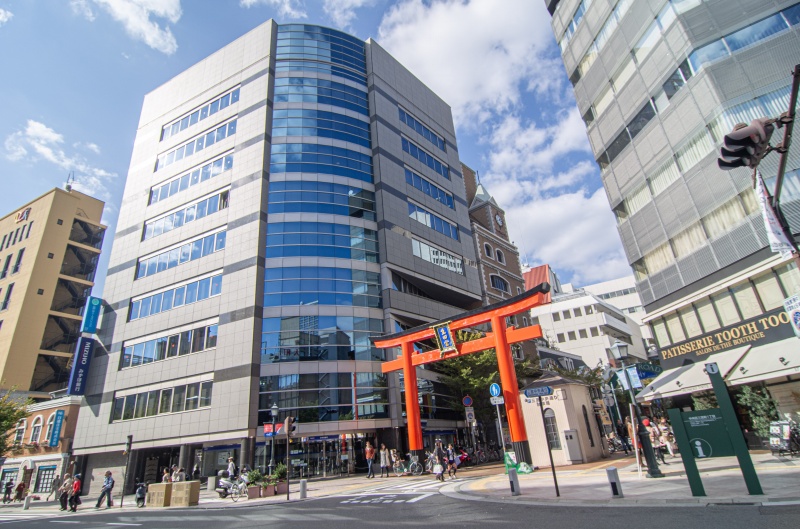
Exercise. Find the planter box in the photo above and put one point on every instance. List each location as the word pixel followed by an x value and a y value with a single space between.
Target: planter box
pixel 185 494
pixel 267 491
pixel 282 488
pixel 159 494
pixel 253 492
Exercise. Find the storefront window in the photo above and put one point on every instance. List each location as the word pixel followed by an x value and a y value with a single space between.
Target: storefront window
pixel 690 322
pixel 675 329
pixel 746 299
pixel 726 309
pixel 660 332
pixel 769 290
pixel 789 278
pixel 707 315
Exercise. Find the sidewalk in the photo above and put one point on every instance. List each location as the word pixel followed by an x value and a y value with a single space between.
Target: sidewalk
pixel 588 485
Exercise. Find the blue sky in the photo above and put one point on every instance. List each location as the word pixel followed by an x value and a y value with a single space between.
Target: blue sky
pixel 75 73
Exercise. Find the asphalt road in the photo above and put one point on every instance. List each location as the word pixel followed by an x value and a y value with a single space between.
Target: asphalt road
pixel 417 505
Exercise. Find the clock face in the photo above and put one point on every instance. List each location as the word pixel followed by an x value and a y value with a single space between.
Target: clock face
pixel 499 219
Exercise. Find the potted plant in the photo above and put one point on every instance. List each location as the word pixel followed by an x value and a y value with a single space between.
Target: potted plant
pixel 279 474
pixel 254 477
pixel 268 486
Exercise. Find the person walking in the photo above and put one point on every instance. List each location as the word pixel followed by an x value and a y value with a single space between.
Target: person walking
pixel 166 477
pixel 452 458
pixel 105 492
pixel 231 470
pixel 75 493
pixel 439 459
pixel 655 439
pixel 20 491
pixel 386 460
pixel 621 431
pixel 667 437
pixel 54 486
pixel 9 489
pixel 369 455
pixel 64 491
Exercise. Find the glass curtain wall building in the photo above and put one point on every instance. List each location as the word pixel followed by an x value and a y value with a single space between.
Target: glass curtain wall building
pixel 269 229
pixel 658 85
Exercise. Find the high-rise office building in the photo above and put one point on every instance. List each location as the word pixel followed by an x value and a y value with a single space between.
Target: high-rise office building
pixel 289 197
pixel 49 250
pixel 658 84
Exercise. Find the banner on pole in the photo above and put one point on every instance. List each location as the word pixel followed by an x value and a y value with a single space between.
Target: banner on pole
pixel 778 242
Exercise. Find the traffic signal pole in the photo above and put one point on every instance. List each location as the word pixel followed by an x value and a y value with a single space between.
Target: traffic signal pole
pixel 783 148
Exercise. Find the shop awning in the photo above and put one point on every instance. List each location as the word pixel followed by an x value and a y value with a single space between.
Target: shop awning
pixel 777 359
pixel 690 378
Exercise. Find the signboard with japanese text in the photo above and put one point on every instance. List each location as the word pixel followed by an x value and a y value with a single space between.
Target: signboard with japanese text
pixel 57 423
pixel 92 314
pixel 80 366
pixel 444 338
pixel 792 306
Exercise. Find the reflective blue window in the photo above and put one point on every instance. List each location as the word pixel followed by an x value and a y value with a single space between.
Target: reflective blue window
pixel 429 189
pixel 432 221
pixel 319 239
pixel 322 91
pixel 792 14
pixel 200 114
pixel 175 220
pixel 321 197
pixel 755 32
pixel 176 297
pixel 421 129
pixel 420 154
pixel 317 67
pixel 191 178
pixel 356 288
pixel 196 145
pixel 311 158
pixel 299 122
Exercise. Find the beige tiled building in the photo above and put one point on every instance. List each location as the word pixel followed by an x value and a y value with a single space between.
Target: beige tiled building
pixel 49 250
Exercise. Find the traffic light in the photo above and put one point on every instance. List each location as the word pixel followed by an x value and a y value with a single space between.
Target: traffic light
pixel 289 426
pixel 128 445
pixel 746 145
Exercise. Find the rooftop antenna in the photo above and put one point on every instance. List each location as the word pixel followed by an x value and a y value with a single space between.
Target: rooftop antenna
pixel 70 180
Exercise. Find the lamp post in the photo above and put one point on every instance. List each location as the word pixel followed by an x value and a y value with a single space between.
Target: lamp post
pixel 620 352
pixel 273 411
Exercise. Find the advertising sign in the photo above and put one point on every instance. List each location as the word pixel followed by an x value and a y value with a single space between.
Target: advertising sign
pixel 56 435
pixel 792 306
pixel 80 366
pixel 93 306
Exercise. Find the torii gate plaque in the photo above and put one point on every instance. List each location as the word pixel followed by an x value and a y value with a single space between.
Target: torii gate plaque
pixel 500 339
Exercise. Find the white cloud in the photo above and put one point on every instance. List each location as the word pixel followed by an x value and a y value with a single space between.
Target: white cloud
pixel 137 17
pixel 343 12
pixel 477 55
pixel 5 16
pixel 82 8
pixel 286 8
pixel 38 142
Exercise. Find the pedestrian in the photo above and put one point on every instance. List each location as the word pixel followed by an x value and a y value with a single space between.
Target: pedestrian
pixel 166 477
pixel 621 431
pixel 9 488
pixel 231 469
pixel 633 435
pixel 174 475
pixel 20 494
pixel 386 460
pixel 655 439
pixel 181 474
pixel 452 467
pixel 75 493
pixel 667 437
pixel 64 491
pixel 54 485
pixel 439 458
pixel 105 492
pixel 369 455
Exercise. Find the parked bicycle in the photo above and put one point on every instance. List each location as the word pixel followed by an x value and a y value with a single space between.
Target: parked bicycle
pixel 411 466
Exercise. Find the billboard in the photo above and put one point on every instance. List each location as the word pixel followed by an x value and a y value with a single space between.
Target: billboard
pixel 80 366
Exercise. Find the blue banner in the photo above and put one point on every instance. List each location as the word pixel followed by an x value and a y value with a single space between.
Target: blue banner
pixel 80 366
pixel 59 420
pixel 93 307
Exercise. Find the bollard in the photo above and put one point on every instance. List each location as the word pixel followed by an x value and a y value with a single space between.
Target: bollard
pixel 27 504
pixel 613 480
pixel 514 481
pixel 212 483
pixel 303 488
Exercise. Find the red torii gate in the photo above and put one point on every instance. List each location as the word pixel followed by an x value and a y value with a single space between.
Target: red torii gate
pixel 500 339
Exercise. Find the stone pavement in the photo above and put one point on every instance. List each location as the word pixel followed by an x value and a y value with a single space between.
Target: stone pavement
pixel 588 485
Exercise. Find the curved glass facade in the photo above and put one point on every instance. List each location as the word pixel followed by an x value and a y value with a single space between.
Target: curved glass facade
pixel 321 144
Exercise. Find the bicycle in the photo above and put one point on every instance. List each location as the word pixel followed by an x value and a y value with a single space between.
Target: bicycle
pixel 413 467
pixel 238 489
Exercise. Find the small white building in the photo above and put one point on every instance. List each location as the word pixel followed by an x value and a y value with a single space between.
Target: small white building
pixel 569 424
pixel 622 294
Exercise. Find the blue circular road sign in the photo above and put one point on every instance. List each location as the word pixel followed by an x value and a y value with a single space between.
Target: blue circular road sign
pixel 494 390
pixel 467 401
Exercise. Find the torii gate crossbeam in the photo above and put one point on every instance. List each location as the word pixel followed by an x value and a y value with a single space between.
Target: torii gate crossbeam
pixel 500 339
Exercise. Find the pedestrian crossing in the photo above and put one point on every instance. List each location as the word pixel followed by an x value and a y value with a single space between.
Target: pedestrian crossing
pixel 405 492
pixel 21 516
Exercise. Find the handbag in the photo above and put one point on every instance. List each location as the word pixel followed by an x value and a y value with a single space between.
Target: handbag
pixel 438 469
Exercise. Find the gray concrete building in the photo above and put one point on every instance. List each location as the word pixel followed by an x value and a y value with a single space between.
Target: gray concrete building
pixel 659 83
pixel 289 197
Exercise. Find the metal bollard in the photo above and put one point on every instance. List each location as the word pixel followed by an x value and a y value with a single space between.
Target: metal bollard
pixel 513 479
pixel 27 504
pixel 212 483
pixel 303 488
pixel 613 480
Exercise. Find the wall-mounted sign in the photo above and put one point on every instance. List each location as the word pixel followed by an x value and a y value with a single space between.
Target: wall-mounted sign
pixel 23 215
pixel 792 306
pixel 769 327
pixel 80 366
pixel 92 313
pixel 56 435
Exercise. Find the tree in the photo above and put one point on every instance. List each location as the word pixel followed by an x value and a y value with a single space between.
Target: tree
pixel 473 374
pixel 12 410
pixel 761 408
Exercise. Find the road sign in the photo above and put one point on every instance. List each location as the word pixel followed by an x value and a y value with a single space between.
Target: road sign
pixel 539 392
pixel 466 401
pixel 268 430
pixel 608 400
pixel 469 412
pixel 648 370
pixel 494 390
pixel 497 401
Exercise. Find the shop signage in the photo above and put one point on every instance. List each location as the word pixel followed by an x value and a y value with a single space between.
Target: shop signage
pixel 769 327
pixel 444 338
pixel 57 422
pixel 80 366
pixel 792 306
pixel 23 215
pixel 89 324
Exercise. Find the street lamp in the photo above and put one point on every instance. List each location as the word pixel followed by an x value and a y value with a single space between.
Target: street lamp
pixel 273 411
pixel 620 353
